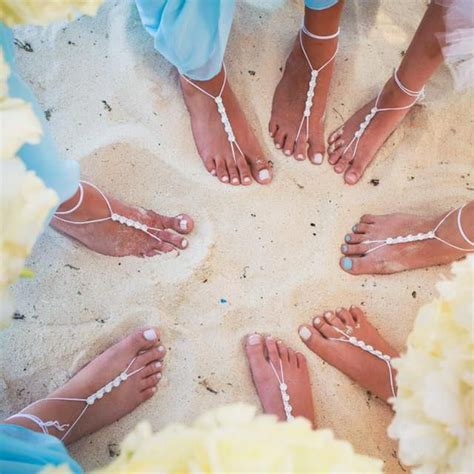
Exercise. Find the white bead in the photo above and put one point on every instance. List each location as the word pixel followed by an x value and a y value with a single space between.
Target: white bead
pixel 370 348
pixel 285 397
pixel 288 409
pixel 362 126
pixel 144 227
pixel 90 400
pixel 283 386
pixel 123 376
pixel 353 340
pixel 373 110
pixel 108 387
pixel 218 100
pixel 100 394
pixel 310 94
pixel 307 113
pixel 309 104
pixel 314 73
pixel 361 343
pixel 386 357
pixel 378 353
pixel 114 217
pixel 358 133
pixel 117 382
pixel 390 240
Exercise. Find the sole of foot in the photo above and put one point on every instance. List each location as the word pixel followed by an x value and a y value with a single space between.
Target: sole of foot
pixel 237 163
pixel 144 348
pixel 400 257
pixel 116 239
pixel 342 158
pixel 323 338
pixel 267 355
pixel 290 98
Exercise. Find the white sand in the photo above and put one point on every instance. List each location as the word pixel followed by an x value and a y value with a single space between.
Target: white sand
pixel 142 151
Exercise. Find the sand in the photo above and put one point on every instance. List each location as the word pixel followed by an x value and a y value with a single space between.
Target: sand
pixel 270 252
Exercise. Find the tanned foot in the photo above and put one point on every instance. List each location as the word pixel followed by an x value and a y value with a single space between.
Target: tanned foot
pixel 261 354
pixel 118 240
pixel 375 135
pixel 212 141
pixel 290 98
pixel 366 369
pixel 143 346
pixel 404 256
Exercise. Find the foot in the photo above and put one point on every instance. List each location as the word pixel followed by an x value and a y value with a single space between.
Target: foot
pixel 375 135
pixel 290 97
pixel 143 346
pixel 211 139
pixel 364 368
pixel 262 353
pixel 115 239
pixel 406 256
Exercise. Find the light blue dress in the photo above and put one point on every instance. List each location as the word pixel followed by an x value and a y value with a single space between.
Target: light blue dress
pixel 43 158
pixel 192 34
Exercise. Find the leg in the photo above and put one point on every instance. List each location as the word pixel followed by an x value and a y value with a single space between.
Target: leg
pixel 407 256
pixel 267 356
pixel 61 417
pixel 202 62
pixel 419 63
pixel 323 337
pixel 287 126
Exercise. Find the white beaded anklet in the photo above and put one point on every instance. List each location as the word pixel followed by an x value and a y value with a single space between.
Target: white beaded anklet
pixel 424 236
pixel 90 400
pixel 222 112
pixel 367 348
pixel 283 391
pixel 314 76
pixel 113 215
pixel 417 95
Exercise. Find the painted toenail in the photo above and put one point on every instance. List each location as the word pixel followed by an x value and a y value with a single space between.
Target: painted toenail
pixel 304 333
pixel 158 376
pixel 338 310
pixel 354 228
pixel 184 243
pixel 213 172
pixel 278 146
pixel 287 152
pixel 225 179
pixel 351 177
pixel 153 389
pixel 344 248
pixel 235 181
pixel 328 314
pixel 347 238
pixel 183 224
pixel 247 180
pixel 300 157
pixel 157 365
pixel 317 320
pixel 161 349
pixel 264 174
pixel 318 158
pixel 150 335
pixel 254 339
pixel 346 263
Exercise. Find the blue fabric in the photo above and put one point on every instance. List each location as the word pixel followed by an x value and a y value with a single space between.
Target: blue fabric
pixel 320 4
pixel 190 34
pixel 60 175
pixel 23 451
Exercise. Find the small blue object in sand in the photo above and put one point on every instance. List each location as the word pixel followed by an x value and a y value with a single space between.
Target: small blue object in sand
pixel 222 301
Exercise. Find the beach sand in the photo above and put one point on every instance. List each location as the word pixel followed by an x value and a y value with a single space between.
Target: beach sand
pixel 261 258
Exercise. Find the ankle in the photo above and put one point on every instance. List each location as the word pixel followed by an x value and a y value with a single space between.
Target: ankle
pixel 213 86
pixel 393 96
pixel 323 22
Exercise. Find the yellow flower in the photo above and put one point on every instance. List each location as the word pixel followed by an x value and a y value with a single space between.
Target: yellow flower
pixel 42 12
pixel 434 408
pixel 233 439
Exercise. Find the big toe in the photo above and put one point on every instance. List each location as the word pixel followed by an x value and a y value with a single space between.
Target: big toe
pixel 255 349
pixel 141 340
pixel 261 170
pixel 183 224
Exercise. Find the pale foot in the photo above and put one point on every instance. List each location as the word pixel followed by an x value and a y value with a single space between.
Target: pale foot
pixel 143 346
pixel 290 97
pixel 115 239
pixel 375 135
pixel 405 256
pixel 261 354
pixel 212 141
pixel 366 369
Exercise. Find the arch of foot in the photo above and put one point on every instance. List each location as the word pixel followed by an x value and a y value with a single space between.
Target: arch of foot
pixel 107 388
pixel 128 222
pixel 225 119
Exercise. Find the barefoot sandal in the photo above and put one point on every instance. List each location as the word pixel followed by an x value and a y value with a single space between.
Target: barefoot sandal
pixel 417 96
pixel 367 348
pixel 89 401
pixel 113 216
pixel 285 398
pixel 314 76
pixel 431 235
pixel 234 145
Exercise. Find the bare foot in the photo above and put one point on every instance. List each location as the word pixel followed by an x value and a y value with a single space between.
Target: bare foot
pixel 212 140
pixel 380 128
pixel 143 348
pixel 265 353
pixel 116 239
pixel 290 98
pixel 324 338
pixel 404 256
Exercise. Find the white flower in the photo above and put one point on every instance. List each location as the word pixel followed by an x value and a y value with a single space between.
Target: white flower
pixel 42 12
pixel 434 419
pixel 233 439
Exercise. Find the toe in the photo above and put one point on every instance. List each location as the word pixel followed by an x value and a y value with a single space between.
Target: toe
pixel 358 249
pixel 335 135
pixel 255 349
pixel 300 149
pixel 292 356
pixel 152 368
pixel 361 265
pixel 316 148
pixel 261 170
pixel 301 361
pixel 354 238
pixel 368 219
pixel 141 340
pixel 361 228
pixel 345 317
pixel 289 145
pixel 342 163
pixel 221 170
pixel 150 356
pixel 356 170
pixel 283 351
pixel 272 127
pixel 210 165
pixel 272 351
pixel 182 223
pixel 357 314
pixel 313 339
pixel 244 170
pixel 173 239
pixel 327 326
pixel 334 155
pixel 150 381
pixel 332 319
pixel 148 393
pixel 233 171
pixel 279 138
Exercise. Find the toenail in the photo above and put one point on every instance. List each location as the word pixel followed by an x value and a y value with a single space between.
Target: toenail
pixel 150 335
pixel 331 148
pixel 287 152
pixel 317 320
pixel 351 177
pixel 184 243
pixel 158 376
pixel 264 174
pixel 318 158
pixel 328 314
pixel 153 389
pixel 213 172
pixel 304 333
pixel 344 248
pixel 157 365
pixel 183 224
pixel 354 228
pixel 247 180
pixel 161 349
pixel 235 181
pixel 269 338
pixel 338 310
pixel 347 238
pixel 225 179
pixel 278 146
pixel 300 157
pixel 254 339
pixel 346 263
